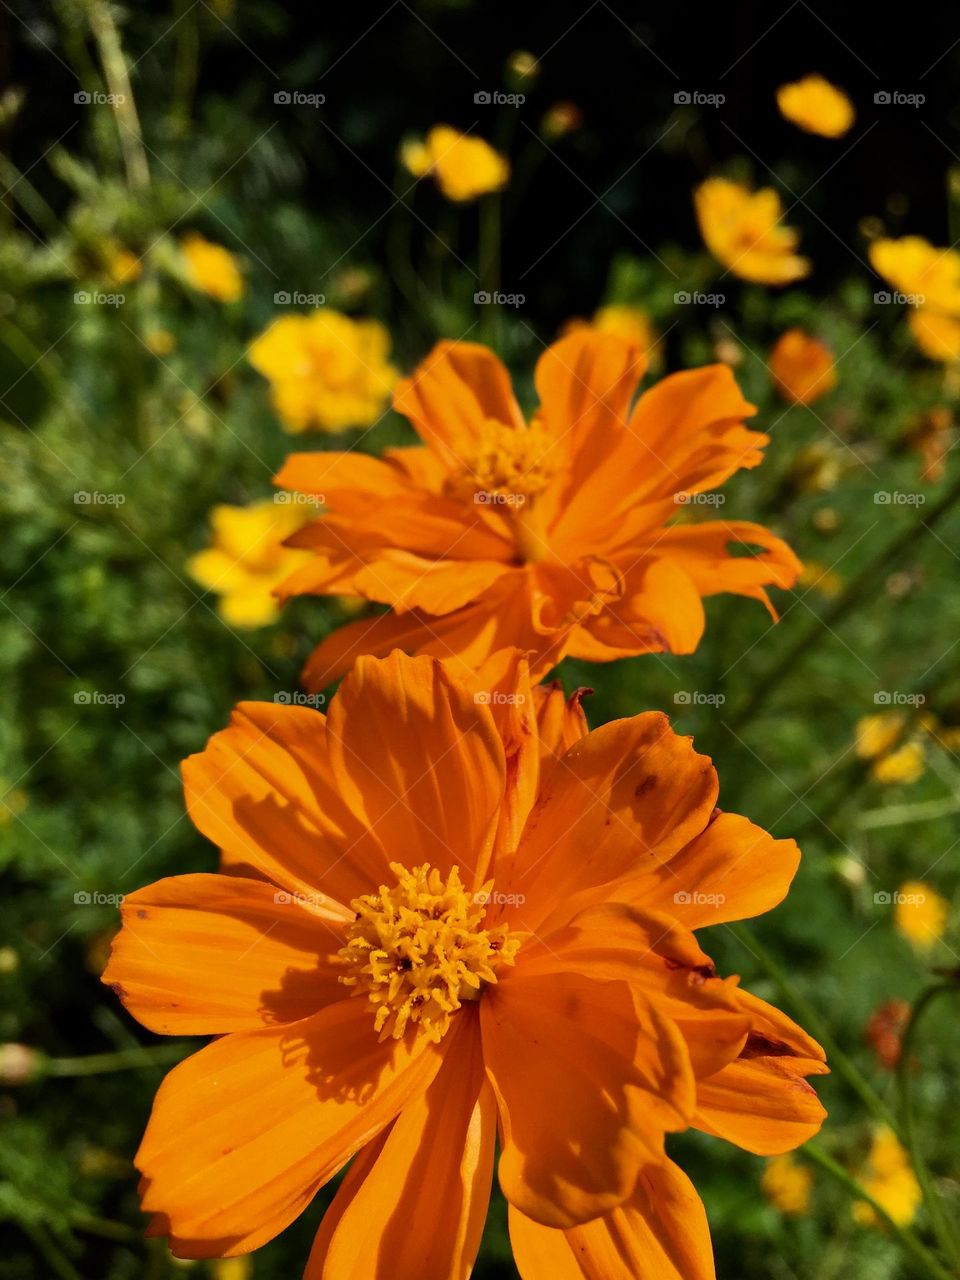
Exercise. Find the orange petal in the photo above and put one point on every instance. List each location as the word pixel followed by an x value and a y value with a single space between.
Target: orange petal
pixel 419 759
pixel 580 1113
pixel 452 393
pixel 660 1233
pixel 702 552
pixel 261 790
pixel 732 871
pixel 205 954
pixel 331 475
pixel 415 1208
pixel 409 581
pixel 243 1133
pixel 560 720
pixel 661 611
pixel 760 1101
pixel 627 796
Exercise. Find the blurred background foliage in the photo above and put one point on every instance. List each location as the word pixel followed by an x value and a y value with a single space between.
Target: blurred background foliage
pixel 116 664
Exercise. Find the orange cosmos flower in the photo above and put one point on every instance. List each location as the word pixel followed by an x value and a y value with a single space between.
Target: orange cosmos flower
pixel 446 911
pixel 802 367
pixel 556 535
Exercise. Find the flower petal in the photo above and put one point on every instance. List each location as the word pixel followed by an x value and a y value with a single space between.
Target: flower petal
pixel 580 1113
pixel 733 870
pixel 626 796
pixel 419 759
pixel 205 954
pixel 261 790
pixel 660 1233
pixel 244 1132
pixel 415 1208
pixel 449 396
pixel 702 551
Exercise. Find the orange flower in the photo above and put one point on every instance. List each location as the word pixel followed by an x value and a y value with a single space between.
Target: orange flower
pixel 447 912
pixel 554 535
pixel 745 231
pixel 802 367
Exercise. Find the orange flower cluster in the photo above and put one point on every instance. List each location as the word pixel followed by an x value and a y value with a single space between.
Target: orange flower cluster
pixel 446 913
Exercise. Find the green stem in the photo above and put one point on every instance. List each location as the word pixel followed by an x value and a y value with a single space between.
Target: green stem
pixel 907 1239
pixel 122 1060
pixel 939 1220
pixel 794 655
pixel 489 263
pixel 59 1264
pixel 118 79
pixel 817 1026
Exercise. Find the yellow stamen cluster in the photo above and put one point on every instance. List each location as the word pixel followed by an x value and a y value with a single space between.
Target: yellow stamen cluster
pixel 512 461
pixel 418 949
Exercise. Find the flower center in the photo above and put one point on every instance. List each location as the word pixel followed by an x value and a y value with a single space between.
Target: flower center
pixel 418 949
pixel 510 461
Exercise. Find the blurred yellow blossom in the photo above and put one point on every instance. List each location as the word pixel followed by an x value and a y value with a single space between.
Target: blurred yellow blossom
pixel 935 333
pixel 326 370
pixel 211 268
pixel 787 1184
pixel 160 341
pixel 246 559
pixel 233 1268
pixel 123 267
pixel 878 739
pixel 920 271
pixel 817 106
pixel 14 803
pixel 464 167
pixel 920 913
pixel 818 577
pixel 802 367
pixel 817 468
pixel 890 1180
pixel 743 231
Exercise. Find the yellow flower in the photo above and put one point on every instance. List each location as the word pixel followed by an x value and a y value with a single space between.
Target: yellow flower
pixel 123 267
pixel 802 367
pixel 900 767
pixel 879 740
pixel 787 1184
pixel 160 341
pixel 818 577
pixel 247 559
pixel 920 914
pixel 876 734
pixel 211 268
pixel 326 371
pixel 889 1178
pixel 935 333
pixel 464 167
pixel 233 1268
pixel 817 106
pixel 928 276
pixel 743 230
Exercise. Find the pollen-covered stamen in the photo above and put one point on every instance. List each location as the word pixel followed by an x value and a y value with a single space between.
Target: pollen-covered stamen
pixel 511 461
pixel 418 949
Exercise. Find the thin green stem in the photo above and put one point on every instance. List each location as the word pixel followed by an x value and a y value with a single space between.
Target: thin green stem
pixel 59 1264
pixel 96 1064
pixel 118 79
pixel 907 1239
pixel 944 1229
pixel 489 262
pixel 813 1021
